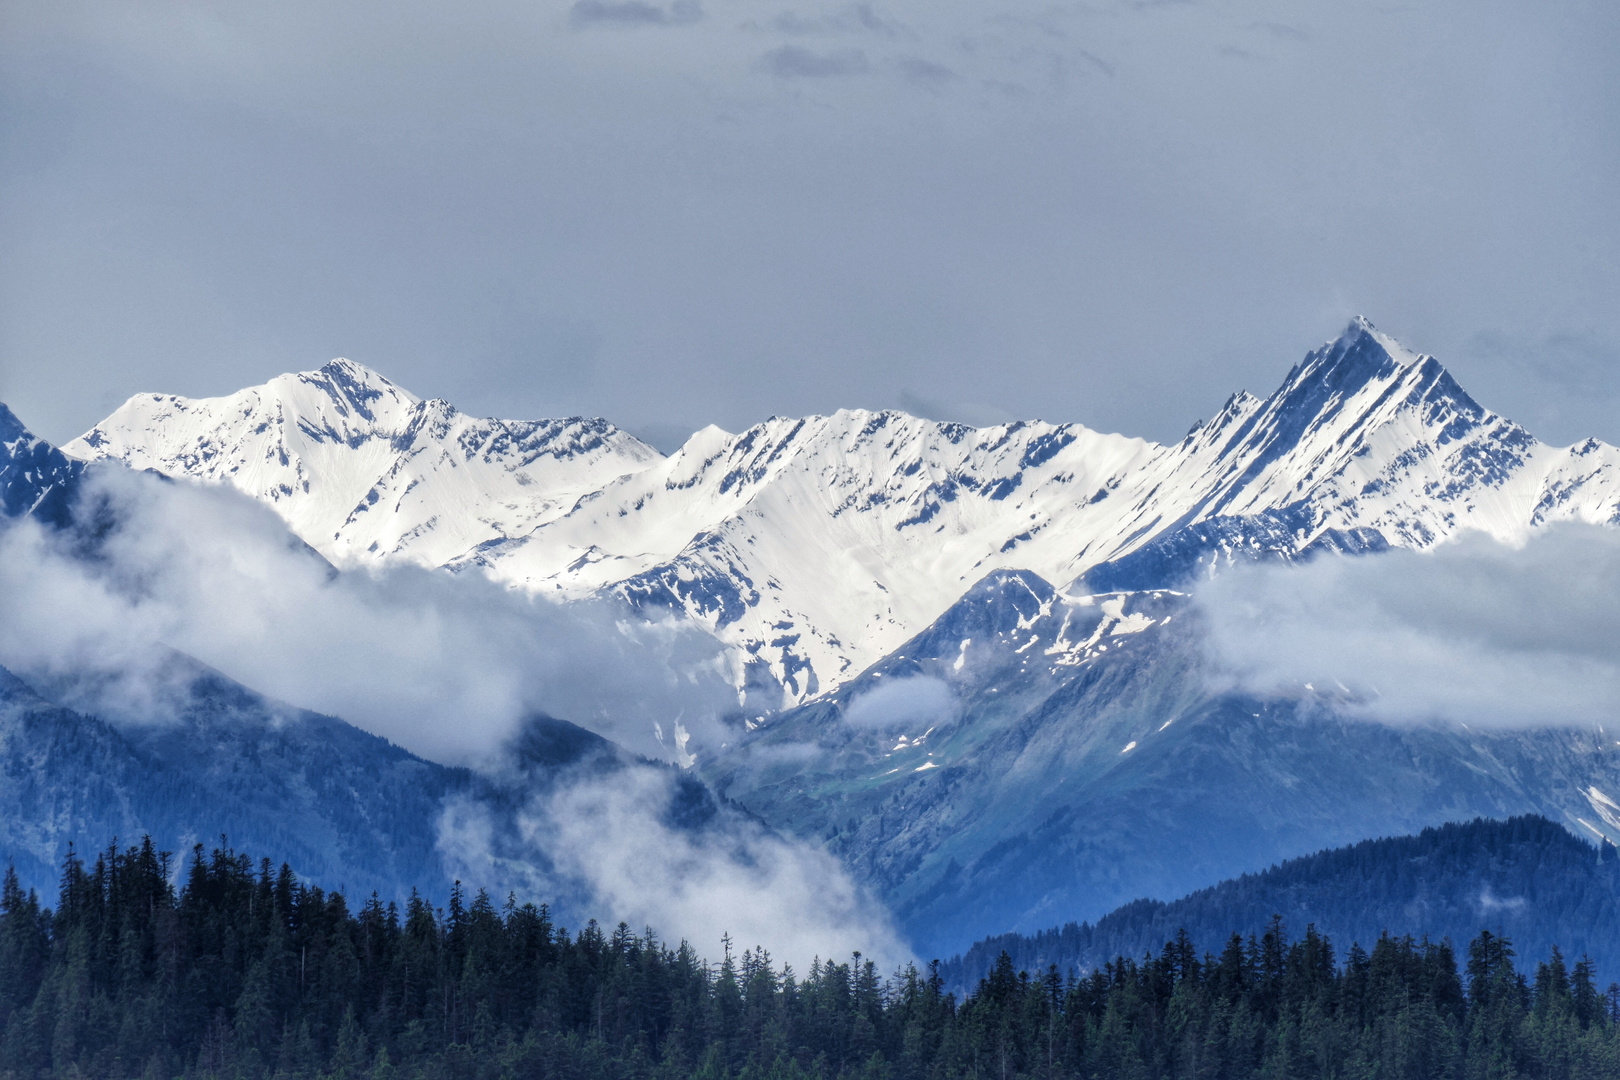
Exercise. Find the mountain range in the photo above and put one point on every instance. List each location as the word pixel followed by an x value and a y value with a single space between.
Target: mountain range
pixel 813 547
pixel 965 659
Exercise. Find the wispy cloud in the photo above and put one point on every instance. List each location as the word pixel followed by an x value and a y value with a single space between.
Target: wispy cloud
pixel 618 841
pixel 926 72
pixel 1285 31
pixel 1474 631
pixel 795 61
pixel 1577 362
pixel 442 664
pixel 589 13
pixel 902 702
pixel 853 19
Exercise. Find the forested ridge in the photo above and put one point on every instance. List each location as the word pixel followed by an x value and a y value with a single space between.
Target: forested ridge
pixel 1526 878
pixel 244 971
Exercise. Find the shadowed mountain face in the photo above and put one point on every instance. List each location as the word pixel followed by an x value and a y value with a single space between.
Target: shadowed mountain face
pixel 1526 879
pixel 346 808
pixel 180 752
pixel 35 477
pixel 1033 757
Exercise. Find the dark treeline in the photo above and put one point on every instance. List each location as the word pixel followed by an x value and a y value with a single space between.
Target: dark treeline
pixel 245 971
pixel 1525 878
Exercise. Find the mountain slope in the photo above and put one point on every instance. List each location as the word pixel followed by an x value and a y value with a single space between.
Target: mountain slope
pixel 136 738
pixel 1036 756
pixel 348 808
pixel 35 477
pixel 816 546
pixel 1525 878
pixel 209 755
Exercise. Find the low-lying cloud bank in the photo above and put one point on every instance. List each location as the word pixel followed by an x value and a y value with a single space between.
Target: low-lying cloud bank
pixel 444 665
pixel 626 843
pixel 1473 631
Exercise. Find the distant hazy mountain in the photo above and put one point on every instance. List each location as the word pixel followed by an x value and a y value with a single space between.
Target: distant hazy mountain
pixel 816 546
pixel 1526 879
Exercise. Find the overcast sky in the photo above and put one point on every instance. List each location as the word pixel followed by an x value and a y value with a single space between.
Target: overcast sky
pixel 676 212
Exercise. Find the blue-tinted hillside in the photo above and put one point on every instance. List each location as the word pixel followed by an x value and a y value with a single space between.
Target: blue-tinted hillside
pixel 1067 754
pixel 1525 878
pixel 35 477
pixel 348 809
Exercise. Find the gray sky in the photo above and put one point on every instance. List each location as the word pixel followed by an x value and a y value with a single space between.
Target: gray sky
pixel 675 212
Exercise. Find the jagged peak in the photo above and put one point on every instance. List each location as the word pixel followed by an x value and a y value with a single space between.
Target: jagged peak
pixel 860 423
pixel 17 441
pixel 1360 356
pixel 1359 329
pixel 11 428
pixel 353 381
pixel 342 367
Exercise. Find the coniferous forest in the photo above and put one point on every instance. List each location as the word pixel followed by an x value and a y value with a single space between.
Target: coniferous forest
pixel 244 971
pixel 1527 878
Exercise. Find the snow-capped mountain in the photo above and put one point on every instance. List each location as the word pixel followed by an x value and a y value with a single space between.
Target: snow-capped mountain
pixel 364 471
pixel 996 706
pixel 816 546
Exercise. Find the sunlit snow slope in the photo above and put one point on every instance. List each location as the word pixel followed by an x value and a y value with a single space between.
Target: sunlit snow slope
pixel 362 470
pixel 815 546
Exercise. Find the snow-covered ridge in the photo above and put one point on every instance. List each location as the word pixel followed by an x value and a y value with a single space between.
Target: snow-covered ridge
pixel 362 469
pixel 817 545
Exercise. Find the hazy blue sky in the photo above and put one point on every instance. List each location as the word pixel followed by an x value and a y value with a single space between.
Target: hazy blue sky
pixel 672 212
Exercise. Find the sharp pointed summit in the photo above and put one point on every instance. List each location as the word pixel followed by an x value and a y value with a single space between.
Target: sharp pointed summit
pixel 35 477
pixel 352 370
pixel 1360 328
pixel 1359 357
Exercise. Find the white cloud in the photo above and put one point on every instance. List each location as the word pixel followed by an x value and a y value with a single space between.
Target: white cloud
pixel 1472 631
pixel 443 665
pixel 921 699
pixel 609 837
